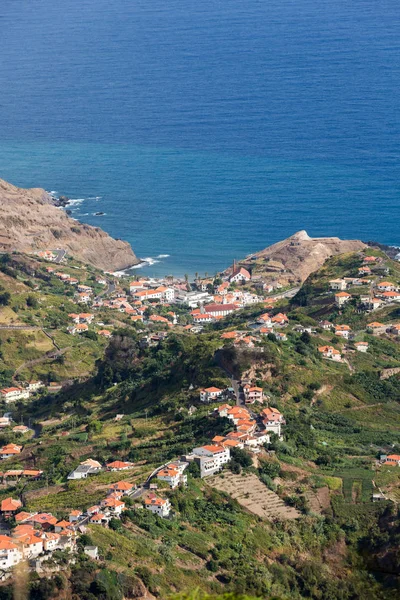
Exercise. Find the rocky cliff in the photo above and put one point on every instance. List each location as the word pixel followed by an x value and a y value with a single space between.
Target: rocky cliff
pixel 295 258
pixel 30 222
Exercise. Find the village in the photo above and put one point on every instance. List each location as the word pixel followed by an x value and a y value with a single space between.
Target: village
pixel 154 308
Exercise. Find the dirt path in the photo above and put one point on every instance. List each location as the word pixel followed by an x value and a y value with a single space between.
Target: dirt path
pixel 324 388
pixel 56 346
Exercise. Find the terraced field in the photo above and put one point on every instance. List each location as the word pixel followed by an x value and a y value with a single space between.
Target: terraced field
pixel 253 495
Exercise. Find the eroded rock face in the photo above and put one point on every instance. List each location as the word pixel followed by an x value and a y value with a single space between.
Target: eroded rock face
pixel 29 222
pixel 300 255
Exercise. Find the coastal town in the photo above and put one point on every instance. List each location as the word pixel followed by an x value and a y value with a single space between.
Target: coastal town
pixel 249 321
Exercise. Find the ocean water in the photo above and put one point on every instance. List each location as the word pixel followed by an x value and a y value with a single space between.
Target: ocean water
pixel 206 130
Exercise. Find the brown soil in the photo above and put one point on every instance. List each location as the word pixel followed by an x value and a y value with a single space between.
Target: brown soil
pixel 253 495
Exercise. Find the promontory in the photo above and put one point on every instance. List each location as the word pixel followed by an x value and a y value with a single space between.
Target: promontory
pixel 29 222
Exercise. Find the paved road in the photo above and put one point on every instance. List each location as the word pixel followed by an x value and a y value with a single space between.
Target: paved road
pixel 20 327
pixel 60 255
pixel 288 294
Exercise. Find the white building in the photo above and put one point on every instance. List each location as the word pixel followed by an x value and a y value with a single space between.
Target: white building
pixel 12 394
pixel 253 394
pixel 240 275
pixel 361 346
pixel 88 467
pixel 192 299
pixel 272 419
pixel 338 284
pixel 341 298
pixel 330 353
pixel 158 506
pixel 173 474
pixel 10 553
pixel 211 458
pixel 210 394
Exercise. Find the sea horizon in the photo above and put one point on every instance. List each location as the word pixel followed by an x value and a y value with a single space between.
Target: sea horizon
pixel 197 158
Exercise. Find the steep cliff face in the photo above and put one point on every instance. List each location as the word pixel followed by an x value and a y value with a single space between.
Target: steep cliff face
pixel 30 222
pixel 299 255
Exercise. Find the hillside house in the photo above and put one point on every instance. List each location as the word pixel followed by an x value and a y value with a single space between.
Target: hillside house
pixel 219 310
pixel 386 286
pixel 9 507
pixel 202 318
pixel 13 394
pixel 343 331
pixel 173 474
pixel 338 284
pixel 122 487
pixel 253 394
pixel 9 451
pixel 341 298
pixel 192 299
pixel 280 319
pixel 158 506
pixel 211 458
pixel 239 275
pixel 361 346
pixel 391 297
pixel 10 553
pixel 118 465
pixel 376 328
pixel 88 467
pixel 272 420
pixel 99 519
pixel 326 325
pixel 265 320
pixel 281 337
pixel 330 353
pixel 393 459
pixel 211 394
pixel 113 506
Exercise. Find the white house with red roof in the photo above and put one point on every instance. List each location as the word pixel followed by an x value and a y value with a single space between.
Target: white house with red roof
pixel 239 274
pixel 219 310
pixel 361 346
pixel 12 394
pixel 393 459
pixel 211 394
pixel 9 451
pixel 343 331
pixel 119 465
pixel 280 319
pixel 10 553
pixel 173 474
pixel 341 298
pixel 158 506
pixel 330 353
pixel 338 284
pixel 211 458
pixel 272 420
pixel 253 394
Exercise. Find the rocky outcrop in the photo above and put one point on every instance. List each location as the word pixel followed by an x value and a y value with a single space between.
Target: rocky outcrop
pixel 298 256
pixel 29 222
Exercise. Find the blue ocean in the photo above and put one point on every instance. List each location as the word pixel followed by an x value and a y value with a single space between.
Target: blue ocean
pixel 206 130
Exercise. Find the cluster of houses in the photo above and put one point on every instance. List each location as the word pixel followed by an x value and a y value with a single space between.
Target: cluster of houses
pixel 381 292
pixel 34 534
pixel 22 392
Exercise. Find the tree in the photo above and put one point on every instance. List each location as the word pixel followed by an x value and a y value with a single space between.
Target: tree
pixel 94 427
pixel 31 302
pixel 194 469
pixel 242 457
pixel 5 298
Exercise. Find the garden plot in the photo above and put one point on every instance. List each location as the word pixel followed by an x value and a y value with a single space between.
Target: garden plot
pixel 253 495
